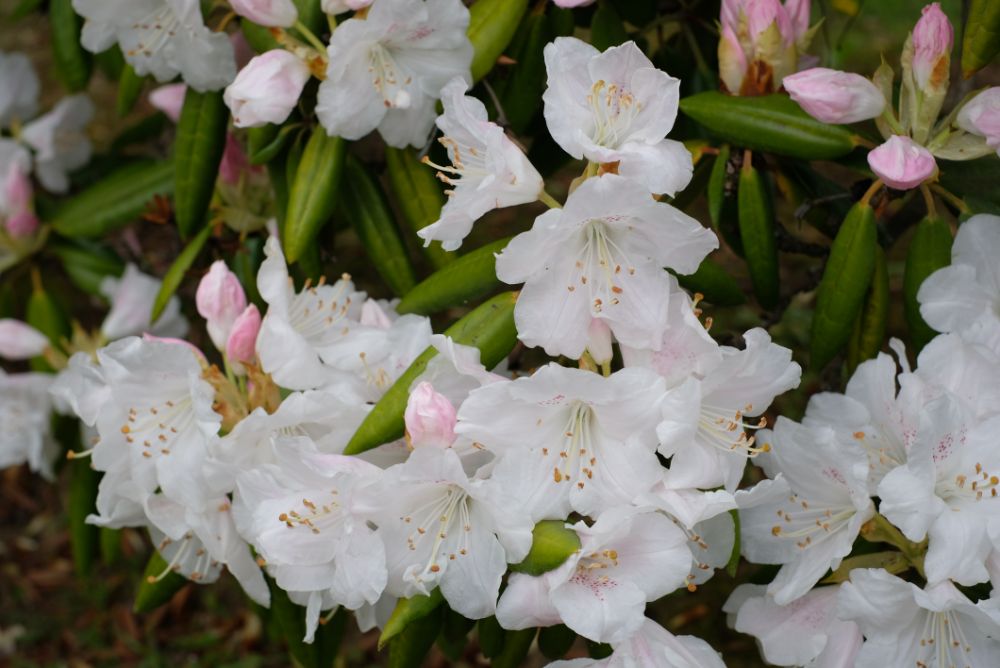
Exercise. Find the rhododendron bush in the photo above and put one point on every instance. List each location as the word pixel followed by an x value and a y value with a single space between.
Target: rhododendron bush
pixel 515 333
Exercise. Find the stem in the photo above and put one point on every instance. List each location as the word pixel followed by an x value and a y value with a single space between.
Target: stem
pixel 892 121
pixel 950 197
pixel 875 187
pixel 549 200
pixel 331 21
pixel 310 37
pixel 928 201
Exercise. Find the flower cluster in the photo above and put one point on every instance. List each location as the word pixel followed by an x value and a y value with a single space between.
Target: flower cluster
pixel 922 442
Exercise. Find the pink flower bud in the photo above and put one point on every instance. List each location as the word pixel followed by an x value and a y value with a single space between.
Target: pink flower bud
pixel 732 60
pixel 599 341
pixel 267 89
pixel 20 341
pixel 932 40
pixel 220 300
pixel 234 161
pixel 372 315
pixel 17 201
pixel 569 4
pixel 902 163
pixel 242 343
pixel 762 13
pixel 430 418
pixel 169 99
pixel 798 13
pixel 270 13
pixel 21 225
pixel 835 97
pixel 981 116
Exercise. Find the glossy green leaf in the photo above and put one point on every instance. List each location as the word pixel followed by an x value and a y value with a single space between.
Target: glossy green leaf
pixel 46 315
pixel 73 63
pixel 715 284
pixel 465 280
pixel 129 89
pixel 266 141
pixel 516 645
pixel 492 24
pixel 291 622
pixel 87 263
pixel 201 140
pixel 845 282
pixel 258 37
pixel 930 250
pixel 734 556
pixel 491 636
pixel 158 585
pixel 552 543
pixel 418 194
pixel 313 192
pixel 364 204
pixel 81 501
pixel 520 92
pixel 607 28
pixel 410 647
pixel 407 611
pixel 757 234
pixel 489 327
pixel 717 185
pixel 454 636
pixel 870 325
pixel 178 270
pixel 772 123
pixel 981 41
pixel 555 641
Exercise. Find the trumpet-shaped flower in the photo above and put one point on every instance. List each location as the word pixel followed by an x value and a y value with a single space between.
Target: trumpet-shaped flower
pixel 131 298
pixel 652 645
pixel 59 141
pixel 19 88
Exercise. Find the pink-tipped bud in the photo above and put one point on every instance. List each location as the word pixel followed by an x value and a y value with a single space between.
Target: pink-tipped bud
pixel 234 161
pixel 20 341
pixel 981 116
pixel 18 201
pixel 599 341
pixel 732 60
pixel 242 343
pixel 169 99
pixel 902 163
pixel 761 14
pixel 798 13
pixel 267 89
pixel 835 97
pixel 220 300
pixel 430 418
pixel 932 38
pixel 270 13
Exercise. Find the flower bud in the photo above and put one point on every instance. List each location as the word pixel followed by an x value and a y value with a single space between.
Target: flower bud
pixel 981 116
pixel 835 97
pixel 430 418
pixel 234 161
pixel 732 60
pixel 762 14
pixel 932 39
pixel 334 7
pixel 902 163
pixel 599 341
pixel 20 341
pixel 241 346
pixel 17 202
pixel 270 13
pixel 220 300
pixel 169 99
pixel 267 89
pixel 373 315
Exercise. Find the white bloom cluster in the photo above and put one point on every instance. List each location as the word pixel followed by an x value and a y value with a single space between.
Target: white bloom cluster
pixel 923 442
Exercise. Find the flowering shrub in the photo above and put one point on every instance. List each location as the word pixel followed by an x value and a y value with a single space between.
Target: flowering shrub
pixel 540 431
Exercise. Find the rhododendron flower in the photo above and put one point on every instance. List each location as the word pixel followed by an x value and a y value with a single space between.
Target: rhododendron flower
pixel 601 256
pixel 902 163
pixel 20 341
pixel 615 107
pixel 341 6
pixel 430 418
pixel 131 298
pixel 653 645
pixel 59 141
pixel 981 116
pixel 241 345
pixel 17 201
pixel 271 13
pixel 931 41
pixel 267 89
pixel 835 97
pixel 385 71
pixel 761 43
pixel 220 300
pixel 19 88
pixel 26 416
pixel 490 170
pixel 162 38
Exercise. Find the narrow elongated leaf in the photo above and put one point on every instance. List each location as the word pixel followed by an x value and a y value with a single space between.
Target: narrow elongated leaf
pixel 73 63
pixel 407 611
pixel 491 636
pixel 734 556
pixel 717 185
pixel 201 140
pixel 466 279
pixel 772 123
pixel 291 622
pixel 515 648
pixel 555 641
pixel 756 218
pixel 110 543
pixel 418 194
pixel 715 284
pixel 454 636
pixel 313 192
pixel 492 24
pixel 489 327
pixel 129 89
pixel 520 93
pixel 266 141
pixel 84 538
pixel 607 28
pixel 551 545
pixel 981 41
pixel 46 315
pixel 158 585
pixel 87 263
pixel 845 281
pixel 178 270
pixel 930 250
pixel 410 647
pixel 869 327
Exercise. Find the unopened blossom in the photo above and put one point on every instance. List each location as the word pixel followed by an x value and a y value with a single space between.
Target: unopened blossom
pixel 569 439
pixel 652 645
pixel 20 341
pixel 271 13
pixel 26 416
pixel 162 38
pixel 904 625
pixel 241 344
pixel 430 418
pixel 220 300
pixel 385 71
pixel 131 298
pixel 626 559
pixel 615 107
pixel 809 514
pixel 17 208
pixel 981 116
pixel 267 89
pixel 19 88
pixel 60 141
pixel 835 97
pixel 931 42
pixel 169 99
pixel 600 256
pixel 761 42
pixel 902 163
pixel 341 6
pixel 488 170
pixel 805 632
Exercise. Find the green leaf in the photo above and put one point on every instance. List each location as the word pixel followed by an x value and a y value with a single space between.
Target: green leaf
pixel 756 218
pixel 981 41
pixel 258 37
pixel 143 130
pixel 930 250
pixel 552 543
pixel 407 611
pixel 890 560
pixel 465 280
pixel 178 270
pixel 84 538
pixel 87 263
pixel 771 123
pixel 24 7
pixel 73 63
pixel 110 543
pixel 491 636
pixel 129 89
pixel 489 327
pixel 158 585
pixel 418 194
pixel 869 327
pixel 313 192
pixel 714 283
pixel 266 141
pixel 201 140
pixel 520 92
pixel 364 204
pixel 599 650
pixel 115 200
pixel 607 28
pixel 717 185
pixel 555 641
pixel 844 284
pixel 734 556
pixel 291 622
pixel 410 647
pixel 48 317
pixel 491 27
pixel 454 636
pixel 516 645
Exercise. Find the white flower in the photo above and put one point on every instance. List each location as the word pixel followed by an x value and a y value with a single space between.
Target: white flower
pixel 615 107
pixel 386 70
pixel 267 89
pixel 808 516
pixel 981 116
pixel 162 38
pixel 20 341
pixel 442 530
pixel 131 298
pixel 490 171
pixel 907 626
pixel 59 141
pixel 960 366
pixel 18 88
pixel 627 558
pixel 806 632
pixel 26 414
pixel 652 646
pixel 601 256
pixel 568 439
